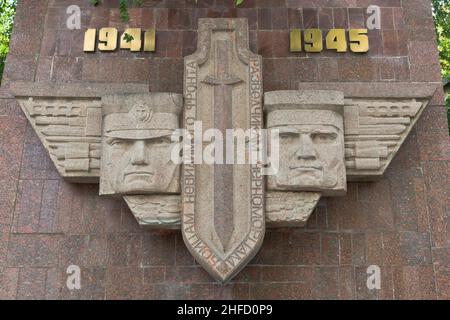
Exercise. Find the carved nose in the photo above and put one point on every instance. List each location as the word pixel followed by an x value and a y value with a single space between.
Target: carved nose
pixel 306 150
pixel 138 157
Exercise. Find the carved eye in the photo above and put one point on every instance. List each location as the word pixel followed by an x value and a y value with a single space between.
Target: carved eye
pixel 116 142
pixel 321 137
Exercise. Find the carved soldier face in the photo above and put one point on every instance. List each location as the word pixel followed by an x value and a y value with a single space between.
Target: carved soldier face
pixel 311 151
pixel 140 166
pixel 136 154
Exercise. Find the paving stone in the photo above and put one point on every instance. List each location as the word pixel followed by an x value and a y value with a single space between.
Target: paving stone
pixel 8 283
pixel 31 284
pixel 441 262
pixel 30 250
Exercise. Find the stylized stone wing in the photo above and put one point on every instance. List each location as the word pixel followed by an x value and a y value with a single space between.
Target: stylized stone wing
pixel 283 209
pixel 156 211
pixel 70 130
pixel 375 129
pixel 290 209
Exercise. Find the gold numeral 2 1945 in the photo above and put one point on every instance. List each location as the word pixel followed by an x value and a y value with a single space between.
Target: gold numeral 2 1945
pixel 312 40
pixel 107 39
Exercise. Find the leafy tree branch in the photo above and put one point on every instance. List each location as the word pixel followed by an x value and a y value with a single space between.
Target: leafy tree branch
pixel 441 14
pixel 7 11
pixel 124 4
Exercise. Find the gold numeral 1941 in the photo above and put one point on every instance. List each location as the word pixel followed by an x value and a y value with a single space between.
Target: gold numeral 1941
pixel 107 39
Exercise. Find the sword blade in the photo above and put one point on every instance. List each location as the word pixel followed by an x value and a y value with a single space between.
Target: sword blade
pixel 223 173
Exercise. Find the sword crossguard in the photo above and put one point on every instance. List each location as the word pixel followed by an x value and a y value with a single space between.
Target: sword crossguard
pixel 226 80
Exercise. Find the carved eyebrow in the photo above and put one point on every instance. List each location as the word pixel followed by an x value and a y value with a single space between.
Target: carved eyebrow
pixel 324 131
pixel 109 140
pixel 328 128
pixel 168 137
pixel 284 130
pixel 164 136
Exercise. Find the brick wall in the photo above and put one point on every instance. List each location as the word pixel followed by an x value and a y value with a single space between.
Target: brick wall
pixel 400 223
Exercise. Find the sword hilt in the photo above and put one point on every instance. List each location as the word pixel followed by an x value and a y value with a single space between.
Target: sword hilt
pixel 226 80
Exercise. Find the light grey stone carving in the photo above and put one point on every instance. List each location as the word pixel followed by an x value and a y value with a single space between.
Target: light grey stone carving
pixel 311 131
pixel 67 118
pixel 70 130
pixel 283 209
pixel 137 144
pixel 290 209
pixel 223 221
pixel 331 133
pixel 378 118
pixel 374 131
pixel 156 211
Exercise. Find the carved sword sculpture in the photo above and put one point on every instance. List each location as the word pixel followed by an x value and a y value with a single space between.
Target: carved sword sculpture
pixel 223 89
pixel 223 83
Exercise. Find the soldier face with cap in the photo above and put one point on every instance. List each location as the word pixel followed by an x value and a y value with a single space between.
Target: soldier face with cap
pixel 311 150
pixel 137 150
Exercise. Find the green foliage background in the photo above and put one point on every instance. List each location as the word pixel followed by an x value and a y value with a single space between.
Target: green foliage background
pixel 7 11
pixel 441 12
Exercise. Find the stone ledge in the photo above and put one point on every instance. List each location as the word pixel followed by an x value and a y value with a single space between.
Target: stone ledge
pixel 350 89
pixel 377 89
pixel 72 90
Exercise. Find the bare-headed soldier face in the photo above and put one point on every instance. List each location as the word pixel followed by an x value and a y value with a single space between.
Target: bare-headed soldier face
pixel 137 150
pixel 311 150
pixel 142 165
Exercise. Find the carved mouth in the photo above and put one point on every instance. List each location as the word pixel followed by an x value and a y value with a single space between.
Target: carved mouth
pixel 139 174
pixel 306 168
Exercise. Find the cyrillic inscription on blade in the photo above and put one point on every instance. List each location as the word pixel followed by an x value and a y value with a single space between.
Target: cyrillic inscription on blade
pixel 223 220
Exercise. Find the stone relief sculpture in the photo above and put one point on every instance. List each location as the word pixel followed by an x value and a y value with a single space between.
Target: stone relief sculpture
pixel 137 145
pixel 374 131
pixel 70 130
pixel 136 154
pixel 311 131
pixel 156 211
pixel 223 221
pixel 123 142
pixel 290 209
